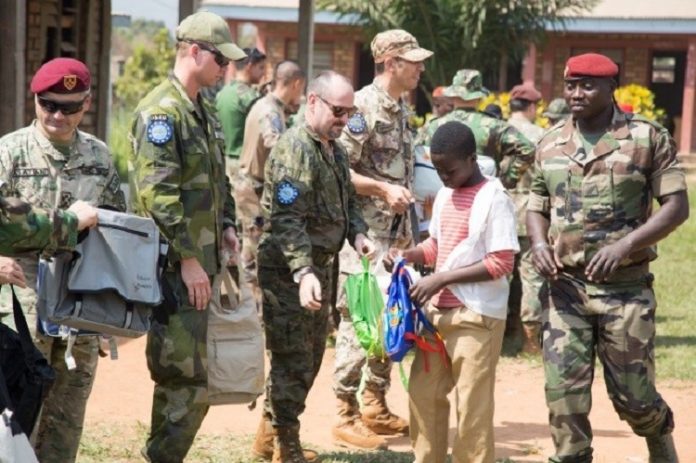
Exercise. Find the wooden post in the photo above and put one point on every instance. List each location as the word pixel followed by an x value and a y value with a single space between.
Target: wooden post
pixel 687 129
pixel 305 43
pixel 13 91
pixel 187 8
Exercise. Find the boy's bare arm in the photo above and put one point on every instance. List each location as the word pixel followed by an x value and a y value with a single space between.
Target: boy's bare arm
pixel 428 286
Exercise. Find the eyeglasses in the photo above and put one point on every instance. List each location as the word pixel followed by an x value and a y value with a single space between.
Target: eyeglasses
pixel 339 111
pixel 220 59
pixel 66 107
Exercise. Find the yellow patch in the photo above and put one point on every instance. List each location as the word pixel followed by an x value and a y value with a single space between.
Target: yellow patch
pixel 69 82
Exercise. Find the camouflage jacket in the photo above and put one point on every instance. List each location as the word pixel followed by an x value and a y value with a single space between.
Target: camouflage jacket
pixel 596 198
pixel 379 144
pixel 177 173
pixel 24 228
pixel 308 201
pixel 32 169
pixel 520 195
pixel 494 138
pixel 233 103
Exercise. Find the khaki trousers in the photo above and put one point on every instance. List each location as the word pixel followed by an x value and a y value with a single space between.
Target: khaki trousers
pixel 473 344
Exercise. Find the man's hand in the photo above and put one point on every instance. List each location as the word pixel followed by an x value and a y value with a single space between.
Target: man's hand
pixel 197 283
pixel 364 246
pixel 86 214
pixel 230 243
pixel 397 197
pixel 310 292
pixel 545 260
pixel 425 288
pixel 607 260
pixel 11 272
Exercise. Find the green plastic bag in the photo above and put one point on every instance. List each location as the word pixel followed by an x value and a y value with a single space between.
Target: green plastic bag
pixel 365 304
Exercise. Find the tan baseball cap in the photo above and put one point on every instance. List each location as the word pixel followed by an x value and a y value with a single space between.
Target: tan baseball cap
pixel 209 28
pixel 397 43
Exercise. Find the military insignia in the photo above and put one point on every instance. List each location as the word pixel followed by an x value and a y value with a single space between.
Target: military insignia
pixel 277 123
pixel 69 81
pixel 357 123
pixel 159 129
pixel 286 193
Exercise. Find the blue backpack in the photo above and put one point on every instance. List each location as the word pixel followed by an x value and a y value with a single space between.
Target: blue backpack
pixel 404 321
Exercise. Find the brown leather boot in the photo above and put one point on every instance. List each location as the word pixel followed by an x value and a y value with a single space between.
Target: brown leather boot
pixel 287 447
pixel 377 416
pixel 530 344
pixel 351 431
pixel 264 444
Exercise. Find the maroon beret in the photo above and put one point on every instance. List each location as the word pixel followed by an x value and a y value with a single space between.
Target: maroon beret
pixel 525 92
pixel 61 75
pixel 590 65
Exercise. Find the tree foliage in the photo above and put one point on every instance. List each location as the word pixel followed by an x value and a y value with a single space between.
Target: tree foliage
pixel 147 66
pixel 462 33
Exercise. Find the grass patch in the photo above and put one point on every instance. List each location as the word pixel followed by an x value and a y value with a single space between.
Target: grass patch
pixel 675 273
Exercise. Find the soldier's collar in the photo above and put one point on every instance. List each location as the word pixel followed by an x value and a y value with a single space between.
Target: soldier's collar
pixel 618 128
pixel 184 96
pixel 392 104
pixel 47 146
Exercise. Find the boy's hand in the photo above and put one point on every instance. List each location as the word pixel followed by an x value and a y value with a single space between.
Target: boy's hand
pixel 389 258
pixel 425 288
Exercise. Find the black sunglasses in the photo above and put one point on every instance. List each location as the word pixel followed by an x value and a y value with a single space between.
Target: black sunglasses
pixel 339 111
pixel 65 107
pixel 220 59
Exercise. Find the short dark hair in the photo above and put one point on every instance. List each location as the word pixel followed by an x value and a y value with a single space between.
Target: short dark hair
pixel 453 139
pixel 253 56
pixel 519 104
pixel 287 71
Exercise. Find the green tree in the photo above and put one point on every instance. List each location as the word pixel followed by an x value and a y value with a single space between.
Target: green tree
pixel 462 33
pixel 145 68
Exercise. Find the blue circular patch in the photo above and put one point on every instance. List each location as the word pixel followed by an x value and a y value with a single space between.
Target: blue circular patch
pixel 357 123
pixel 286 193
pixel 159 130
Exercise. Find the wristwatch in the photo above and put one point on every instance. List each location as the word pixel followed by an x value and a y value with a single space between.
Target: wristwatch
pixel 297 276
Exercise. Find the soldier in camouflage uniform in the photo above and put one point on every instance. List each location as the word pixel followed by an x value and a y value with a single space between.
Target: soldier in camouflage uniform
pixel 523 304
pixel 593 233
pixel 310 208
pixel 234 101
pixel 265 124
pixel 51 164
pixel 556 111
pixel 177 177
pixel 379 144
pixel 501 149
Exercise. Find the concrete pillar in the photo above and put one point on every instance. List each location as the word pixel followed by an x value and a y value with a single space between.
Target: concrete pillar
pixel 305 42
pixel 529 66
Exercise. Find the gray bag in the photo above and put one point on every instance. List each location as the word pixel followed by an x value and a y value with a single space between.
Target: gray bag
pixel 110 283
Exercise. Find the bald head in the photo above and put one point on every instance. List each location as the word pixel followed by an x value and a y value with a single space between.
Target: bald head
pixel 287 72
pixel 330 100
pixel 330 83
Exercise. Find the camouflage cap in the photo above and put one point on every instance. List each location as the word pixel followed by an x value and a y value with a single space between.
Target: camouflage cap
pixel 557 109
pixel 467 84
pixel 209 28
pixel 397 43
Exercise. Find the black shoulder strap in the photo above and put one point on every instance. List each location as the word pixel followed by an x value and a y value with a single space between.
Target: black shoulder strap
pixel 22 327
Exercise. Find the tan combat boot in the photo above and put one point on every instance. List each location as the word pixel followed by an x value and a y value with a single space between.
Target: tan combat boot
pixel 264 444
pixel 351 431
pixel 530 343
pixel 377 416
pixel 287 447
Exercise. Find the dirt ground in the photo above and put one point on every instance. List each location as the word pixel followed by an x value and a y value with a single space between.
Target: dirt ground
pixel 122 395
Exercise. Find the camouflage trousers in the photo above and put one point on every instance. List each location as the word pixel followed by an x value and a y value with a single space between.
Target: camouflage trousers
pixel 295 342
pixel 524 303
pixel 351 361
pixel 59 428
pixel 616 324
pixel 177 358
pixel 250 222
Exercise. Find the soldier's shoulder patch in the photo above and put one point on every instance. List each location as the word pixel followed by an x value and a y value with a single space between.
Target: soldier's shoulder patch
pixel 357 123
pixel 286 193
pixel 277 123
pixel 159 129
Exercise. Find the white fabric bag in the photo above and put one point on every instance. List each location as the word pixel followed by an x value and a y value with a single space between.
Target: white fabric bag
pixel 14 444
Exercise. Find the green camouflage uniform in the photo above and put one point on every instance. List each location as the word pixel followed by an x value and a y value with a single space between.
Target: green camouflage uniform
pixel 310 208
pixel 265 124
pixel 594 199
pixel 379 144
pixel 526 282
pixel 36 171
pixel 233 103
pixel 177 177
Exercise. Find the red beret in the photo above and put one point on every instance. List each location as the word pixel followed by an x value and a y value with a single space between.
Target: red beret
pixel 590 65
pixel 525 92
pixel 61 75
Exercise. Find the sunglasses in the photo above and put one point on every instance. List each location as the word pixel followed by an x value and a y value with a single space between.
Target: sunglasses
pixel 65 107
pixel 339 111
pixel 220 59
